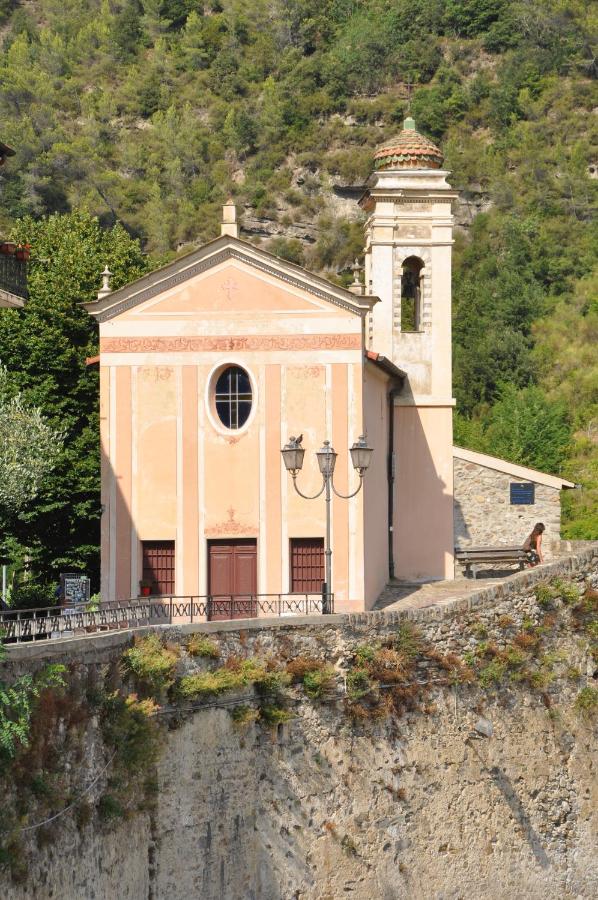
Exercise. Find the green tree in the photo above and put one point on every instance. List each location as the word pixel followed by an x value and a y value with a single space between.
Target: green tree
pixel 468 18
pixel 524 427
pixel 127 31
pixel 29 448
pixel 45 346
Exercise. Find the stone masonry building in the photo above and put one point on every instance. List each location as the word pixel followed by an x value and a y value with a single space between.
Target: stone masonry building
pixel 498 503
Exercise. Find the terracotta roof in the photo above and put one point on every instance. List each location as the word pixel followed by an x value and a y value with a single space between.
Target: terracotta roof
pixel 386 364
pixel 514 469
pixel 409 150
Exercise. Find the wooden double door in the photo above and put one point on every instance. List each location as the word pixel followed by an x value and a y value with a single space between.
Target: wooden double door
pixel 232 578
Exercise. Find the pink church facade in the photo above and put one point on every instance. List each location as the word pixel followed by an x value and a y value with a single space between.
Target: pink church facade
pixel 209 364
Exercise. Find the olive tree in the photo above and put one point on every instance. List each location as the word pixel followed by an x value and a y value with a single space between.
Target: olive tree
pixel 29 448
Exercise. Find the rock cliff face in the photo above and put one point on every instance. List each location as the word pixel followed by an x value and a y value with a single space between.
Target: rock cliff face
pixel 491 794
pixel 431 810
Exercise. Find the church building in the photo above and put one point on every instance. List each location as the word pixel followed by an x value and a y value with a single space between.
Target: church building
pixel 210 364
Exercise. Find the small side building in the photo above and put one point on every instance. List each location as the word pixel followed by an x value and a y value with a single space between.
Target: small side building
pixel 497 502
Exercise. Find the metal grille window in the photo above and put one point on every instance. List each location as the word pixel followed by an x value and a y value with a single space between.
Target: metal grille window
pixel 158 566
pixel 307 565
pixel 233 397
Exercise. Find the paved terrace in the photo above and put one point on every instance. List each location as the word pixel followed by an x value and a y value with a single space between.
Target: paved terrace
pixel 400 595
pixel 404 595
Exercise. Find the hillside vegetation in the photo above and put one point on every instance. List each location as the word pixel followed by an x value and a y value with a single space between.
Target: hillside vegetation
pixel 149 113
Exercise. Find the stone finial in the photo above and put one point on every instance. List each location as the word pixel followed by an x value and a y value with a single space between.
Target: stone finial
pixel 356 286
pixel 229 223
pixel 105 289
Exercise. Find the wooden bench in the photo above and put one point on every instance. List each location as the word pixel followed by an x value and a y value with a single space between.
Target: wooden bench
pixel 473 557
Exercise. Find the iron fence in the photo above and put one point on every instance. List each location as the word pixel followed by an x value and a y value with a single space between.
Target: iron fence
pixel 53 623
pixel 13 275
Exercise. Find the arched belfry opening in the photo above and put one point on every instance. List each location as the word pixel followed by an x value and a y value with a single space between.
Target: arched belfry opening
pixel 412 275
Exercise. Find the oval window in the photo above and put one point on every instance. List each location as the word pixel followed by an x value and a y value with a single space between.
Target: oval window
pixel 233 397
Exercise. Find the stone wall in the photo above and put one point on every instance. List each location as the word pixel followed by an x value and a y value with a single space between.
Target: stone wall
pixel 324 808
pixel 484 516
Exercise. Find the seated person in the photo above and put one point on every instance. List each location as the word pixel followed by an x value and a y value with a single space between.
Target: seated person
pixel 533 544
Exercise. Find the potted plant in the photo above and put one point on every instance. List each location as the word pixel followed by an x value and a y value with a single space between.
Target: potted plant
pixel 23 251
pixel 145 587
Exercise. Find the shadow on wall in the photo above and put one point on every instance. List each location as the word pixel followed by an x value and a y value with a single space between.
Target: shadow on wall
pixel 462 532
pixel 423 527
pixel 504 784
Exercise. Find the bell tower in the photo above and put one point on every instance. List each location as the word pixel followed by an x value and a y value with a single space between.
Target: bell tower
pixel 408 266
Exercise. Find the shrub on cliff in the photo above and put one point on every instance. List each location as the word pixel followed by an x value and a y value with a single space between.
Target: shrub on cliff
pixel 199 645
pixel 151 663
pixel 586 703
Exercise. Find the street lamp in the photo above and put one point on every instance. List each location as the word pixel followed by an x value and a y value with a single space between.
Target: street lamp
pixel 293 453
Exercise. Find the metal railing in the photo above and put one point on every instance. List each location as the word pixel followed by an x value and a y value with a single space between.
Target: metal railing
pixel 53 622
pixel 13 275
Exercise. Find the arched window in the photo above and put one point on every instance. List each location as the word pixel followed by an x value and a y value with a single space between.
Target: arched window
pixel 233 397
pixel 411 292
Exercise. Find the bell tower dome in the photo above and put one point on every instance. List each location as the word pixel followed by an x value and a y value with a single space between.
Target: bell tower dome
pixel 408 259
pixel 409 241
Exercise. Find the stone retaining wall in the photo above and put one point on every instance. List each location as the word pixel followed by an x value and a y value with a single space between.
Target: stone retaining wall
pixel 324 807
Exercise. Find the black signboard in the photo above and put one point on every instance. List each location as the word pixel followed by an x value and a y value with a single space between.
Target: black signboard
pixel 522 493
pixel 74 588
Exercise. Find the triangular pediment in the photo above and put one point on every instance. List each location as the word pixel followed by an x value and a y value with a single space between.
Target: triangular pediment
pixel 229 288
pixel 228 275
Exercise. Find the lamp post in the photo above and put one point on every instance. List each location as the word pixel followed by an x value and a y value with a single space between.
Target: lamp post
pixel 293 453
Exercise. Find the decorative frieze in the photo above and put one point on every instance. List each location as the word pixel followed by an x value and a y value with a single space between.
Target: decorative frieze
pixel 225 343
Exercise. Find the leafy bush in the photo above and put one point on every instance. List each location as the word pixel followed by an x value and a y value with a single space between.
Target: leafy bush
pixel 586 702
pixel 358 684
pixel 33 594
pixel 199 645
pixel 151 663
pixel 244 715
pixel 275 715
pixel 316 683
pixel 479 630
pixel 234 675
pixel 109 808
pixel 18 703
pixel 314 674
pixel 544 595
pixel 366 653
pixel 567 591
pixel 214 683
pixel 493 673
pixel 130 726
pixel 407 640
pixel 269 682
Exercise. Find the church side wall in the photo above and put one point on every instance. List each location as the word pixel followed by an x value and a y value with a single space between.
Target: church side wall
pixel 423 528
pixel 375 489
pixel 484 515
